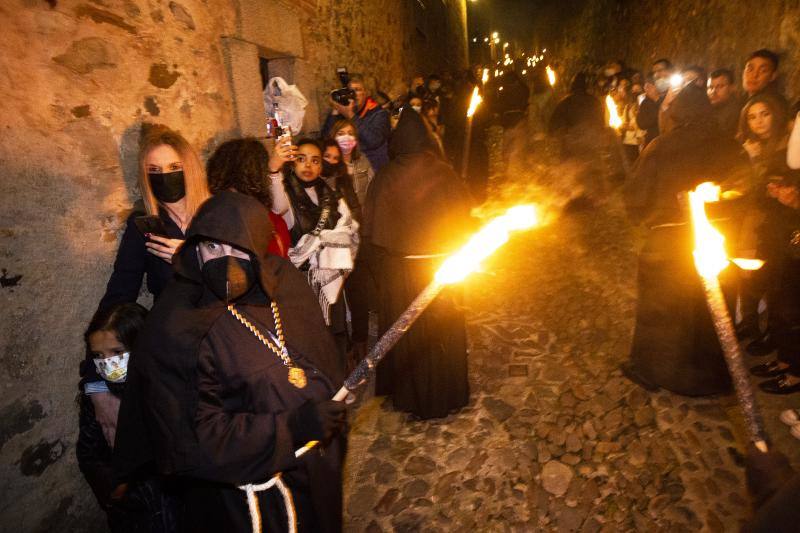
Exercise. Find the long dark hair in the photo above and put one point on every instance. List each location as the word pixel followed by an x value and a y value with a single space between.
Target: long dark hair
pixel 124 320
pixel 241 165
pixel 779 120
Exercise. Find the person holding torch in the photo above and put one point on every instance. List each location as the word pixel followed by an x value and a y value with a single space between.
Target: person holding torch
pixel 417 211
pixel 674 343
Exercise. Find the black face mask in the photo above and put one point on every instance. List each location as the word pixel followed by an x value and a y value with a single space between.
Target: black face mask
pixel 168 187
pixel 229 277
pixel 330 170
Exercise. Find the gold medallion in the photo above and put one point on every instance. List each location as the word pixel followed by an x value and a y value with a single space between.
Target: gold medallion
pixel 297 377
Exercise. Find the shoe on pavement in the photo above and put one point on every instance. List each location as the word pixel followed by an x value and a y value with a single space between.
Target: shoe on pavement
pixel 770 369
pixel 779 385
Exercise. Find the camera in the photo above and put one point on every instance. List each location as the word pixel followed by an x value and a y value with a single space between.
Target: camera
pixel 344 95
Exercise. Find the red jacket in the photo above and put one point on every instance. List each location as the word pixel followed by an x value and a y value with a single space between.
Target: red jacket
pixel 280 243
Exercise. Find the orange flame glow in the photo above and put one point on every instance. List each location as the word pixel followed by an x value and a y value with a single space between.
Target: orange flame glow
pixel 710 257
pixel 614 119
pixel 551 75
pixel 474 102
pixel 484 243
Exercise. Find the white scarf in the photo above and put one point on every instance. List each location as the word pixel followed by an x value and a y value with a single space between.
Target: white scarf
pixel 331 254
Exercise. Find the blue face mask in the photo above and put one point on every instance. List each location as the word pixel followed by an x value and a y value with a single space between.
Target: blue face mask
pixel 113 369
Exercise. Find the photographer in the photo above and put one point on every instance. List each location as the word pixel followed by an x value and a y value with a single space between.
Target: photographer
pixel 372 122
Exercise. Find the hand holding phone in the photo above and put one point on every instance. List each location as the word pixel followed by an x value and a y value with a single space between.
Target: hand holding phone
pixel 150 225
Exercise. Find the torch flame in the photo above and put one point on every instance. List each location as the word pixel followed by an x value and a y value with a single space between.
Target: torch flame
pixel 710 257
pixel 614 119
pixel 483 244
pixel 485 76
pixel 551 75
pixel 709 244
pixel 474 102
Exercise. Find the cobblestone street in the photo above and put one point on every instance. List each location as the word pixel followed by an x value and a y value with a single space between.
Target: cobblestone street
pixel 554 438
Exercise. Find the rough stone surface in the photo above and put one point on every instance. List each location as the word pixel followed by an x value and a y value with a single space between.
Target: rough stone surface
pixel 680 32
pixel 76 86
pixel 572 446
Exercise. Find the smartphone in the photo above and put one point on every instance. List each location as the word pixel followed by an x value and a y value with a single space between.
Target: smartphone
pixel 150 224
pixel 285 138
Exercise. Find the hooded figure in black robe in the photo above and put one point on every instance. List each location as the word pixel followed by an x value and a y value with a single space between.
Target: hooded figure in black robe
pixel 674 343
pixel 212 406
pixel 417 211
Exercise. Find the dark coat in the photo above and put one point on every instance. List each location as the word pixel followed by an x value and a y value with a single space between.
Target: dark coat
pixel 647 118
pixel 146 505
pixel 374 129
pixel 416 206
pixel 576 110
pixel 416 201
pixel 132 264
pixel 674 344
pixel 215 416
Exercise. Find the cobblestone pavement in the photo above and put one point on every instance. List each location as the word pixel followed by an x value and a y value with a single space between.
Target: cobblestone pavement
pixel 554 438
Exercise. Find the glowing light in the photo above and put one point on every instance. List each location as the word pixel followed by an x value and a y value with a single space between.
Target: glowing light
pixel 505 45
pixel 474 102
pixel 710 257
pixel 676 80
pixel 474 39
pixel 544 50
pixel 747 264
pixel 484 243
pixel 709 244
pixel 485 76
pixel 551 75
pixel 496 73
pixel 614 119
pixel 524 71
pixel 495 35
pixel 501 88
pixel 497 41
pixel 486 39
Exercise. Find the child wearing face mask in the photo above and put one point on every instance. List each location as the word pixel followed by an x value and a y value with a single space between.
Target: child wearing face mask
pixel 130 507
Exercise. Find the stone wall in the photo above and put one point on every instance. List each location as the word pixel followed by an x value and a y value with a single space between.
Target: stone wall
pixel 713 33
pixel 77 78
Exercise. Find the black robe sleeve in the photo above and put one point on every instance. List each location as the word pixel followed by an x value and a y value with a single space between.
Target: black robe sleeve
pixel 640 188
pixel 241 447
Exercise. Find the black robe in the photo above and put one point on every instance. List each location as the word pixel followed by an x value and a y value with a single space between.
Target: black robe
pixel 417 206
pixel 210 406
pixel 674 343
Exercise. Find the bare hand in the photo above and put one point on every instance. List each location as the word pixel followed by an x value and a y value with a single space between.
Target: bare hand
pixel 752 148
pixel 106 411
pixel 163 247
pixel 281 153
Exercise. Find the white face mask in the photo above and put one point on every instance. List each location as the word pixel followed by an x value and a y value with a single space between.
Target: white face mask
pixel 113 369
pixel 417 108
pixel 662 85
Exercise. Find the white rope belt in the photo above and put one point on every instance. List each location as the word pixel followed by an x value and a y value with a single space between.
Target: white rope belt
pixel 255 511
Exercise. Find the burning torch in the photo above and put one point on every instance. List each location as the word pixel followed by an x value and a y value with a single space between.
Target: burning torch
pixel 614 119
pixel 551 75
pixel 710 259
pixel 474 102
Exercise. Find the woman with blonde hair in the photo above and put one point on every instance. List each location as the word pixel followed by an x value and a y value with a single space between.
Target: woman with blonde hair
pixel 173 184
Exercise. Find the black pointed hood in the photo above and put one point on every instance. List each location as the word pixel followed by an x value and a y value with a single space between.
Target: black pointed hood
pixel 232 218
pixel 410 136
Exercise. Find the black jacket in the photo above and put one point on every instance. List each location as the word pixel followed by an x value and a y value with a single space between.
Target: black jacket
pixel 198 417
pixel 134 262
